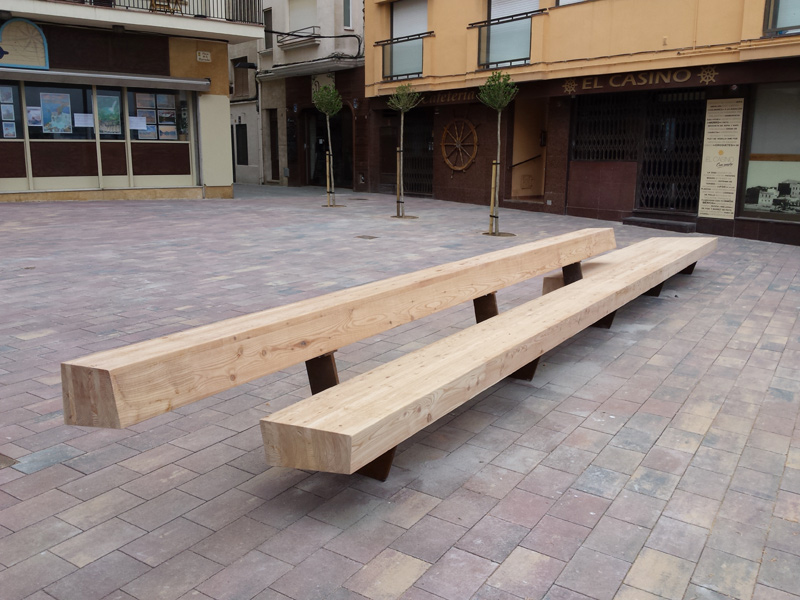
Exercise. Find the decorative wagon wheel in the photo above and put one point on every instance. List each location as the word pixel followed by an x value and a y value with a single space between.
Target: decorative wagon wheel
pixel 459 144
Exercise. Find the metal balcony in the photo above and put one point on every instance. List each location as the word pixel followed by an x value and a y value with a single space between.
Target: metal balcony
pixel 505 41
pixel 402 57
pixel 239 11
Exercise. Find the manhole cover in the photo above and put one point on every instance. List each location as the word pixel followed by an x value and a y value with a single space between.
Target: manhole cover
pixel 367 237
pixel 6 461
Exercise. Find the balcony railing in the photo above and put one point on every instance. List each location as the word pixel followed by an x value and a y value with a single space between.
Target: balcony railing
pixel 241 11
pixel 301 37
pixel 505 41
pixel 783 17
pixel 402 56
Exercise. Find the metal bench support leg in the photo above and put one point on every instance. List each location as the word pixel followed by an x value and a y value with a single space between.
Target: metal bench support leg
pixel 572 273
pixel 380 467
pixel 322 373
pixel 655 291
pixel 486 308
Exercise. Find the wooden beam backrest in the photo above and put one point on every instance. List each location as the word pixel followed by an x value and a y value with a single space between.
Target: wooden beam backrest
pixel 345 427
pixel 124 386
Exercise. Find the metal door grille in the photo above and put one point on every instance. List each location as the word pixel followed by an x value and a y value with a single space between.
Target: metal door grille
pixel 672 152
pixel 418 159
pixel 607 127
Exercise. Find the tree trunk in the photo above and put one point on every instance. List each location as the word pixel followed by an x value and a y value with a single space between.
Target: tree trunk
pixel 497 177
pixel 402 158
pixel 330 154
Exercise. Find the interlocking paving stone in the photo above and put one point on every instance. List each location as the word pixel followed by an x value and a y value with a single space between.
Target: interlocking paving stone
pixel 387 576
pixel 694 399
pixel 726 573
pixel 98 579
pixel 167 541
pixel 660 573
pixel 593 573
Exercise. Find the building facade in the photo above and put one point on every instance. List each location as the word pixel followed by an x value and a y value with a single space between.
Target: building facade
pixel 678 114
pixel 278 134
pixel 118 98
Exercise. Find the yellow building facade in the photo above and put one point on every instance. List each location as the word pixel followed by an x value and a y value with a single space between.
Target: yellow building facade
pixel 671 113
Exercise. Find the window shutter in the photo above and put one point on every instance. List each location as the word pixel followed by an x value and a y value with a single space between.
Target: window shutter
pixel 505 8
pixel 409 17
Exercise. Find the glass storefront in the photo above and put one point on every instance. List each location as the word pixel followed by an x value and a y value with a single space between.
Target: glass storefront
pixel 772 190
pixel 94 137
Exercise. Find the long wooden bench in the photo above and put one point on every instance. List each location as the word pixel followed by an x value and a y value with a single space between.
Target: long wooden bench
pixel 359 422
pixel 123 386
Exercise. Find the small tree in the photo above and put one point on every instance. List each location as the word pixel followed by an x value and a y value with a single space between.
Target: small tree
pixel 329 102
pixel 497 93
pixel 403 100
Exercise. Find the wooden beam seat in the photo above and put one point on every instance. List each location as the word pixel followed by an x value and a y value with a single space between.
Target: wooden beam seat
pixel 123 386
pixel 351 425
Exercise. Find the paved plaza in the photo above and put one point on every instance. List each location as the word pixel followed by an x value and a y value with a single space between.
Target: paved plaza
pixel 659 459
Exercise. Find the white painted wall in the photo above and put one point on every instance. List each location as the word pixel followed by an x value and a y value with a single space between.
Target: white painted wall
pixel 216 162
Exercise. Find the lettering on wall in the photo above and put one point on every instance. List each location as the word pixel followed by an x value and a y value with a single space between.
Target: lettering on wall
pixel 720 169
pixel 641 79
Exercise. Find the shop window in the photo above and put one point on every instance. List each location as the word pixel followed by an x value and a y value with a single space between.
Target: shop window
pixel 158 115
pixel 56 112
pixel 10 111
pixel 773 172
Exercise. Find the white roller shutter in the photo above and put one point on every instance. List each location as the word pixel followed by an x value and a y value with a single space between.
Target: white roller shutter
pixel 409 17
pixel 505 8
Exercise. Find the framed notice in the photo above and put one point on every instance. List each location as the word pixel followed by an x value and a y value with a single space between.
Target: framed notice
pixel 167 132
pixel 720 168
pixel 149 133
pixel 145 100
pixel 165 101
pixel 148 115
pixel 6 94
pixel 9 130
pixel 7 112
pixel 166 117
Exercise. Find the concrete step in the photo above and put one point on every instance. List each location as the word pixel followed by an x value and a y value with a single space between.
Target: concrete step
pixel 664 224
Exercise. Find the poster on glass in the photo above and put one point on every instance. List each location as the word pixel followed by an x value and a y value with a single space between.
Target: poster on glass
pixel 6 94
pixel 108 115
pixel 34 116
pixel 56 113
pixel 7 112
pixel 9 130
